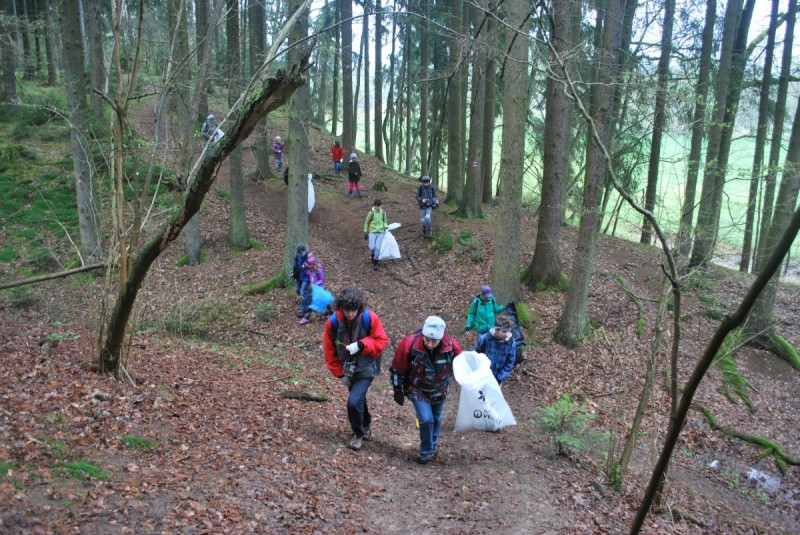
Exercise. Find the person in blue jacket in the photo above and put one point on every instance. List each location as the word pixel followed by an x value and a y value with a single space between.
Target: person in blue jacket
pixel 498 344
pixel 302 285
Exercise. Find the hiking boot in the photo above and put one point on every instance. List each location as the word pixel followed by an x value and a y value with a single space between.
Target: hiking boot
pixel 367 433
pixel 304 320
pixel 359 194
pixel 374 265
pixel 425 458
pixel 350 194
pixel 355 443
pixel 300 315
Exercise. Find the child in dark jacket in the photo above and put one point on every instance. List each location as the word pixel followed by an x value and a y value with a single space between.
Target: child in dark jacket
pixel 498 344
pixel 354 175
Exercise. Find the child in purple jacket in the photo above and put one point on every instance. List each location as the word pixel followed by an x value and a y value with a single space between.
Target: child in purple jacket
pixel 277 152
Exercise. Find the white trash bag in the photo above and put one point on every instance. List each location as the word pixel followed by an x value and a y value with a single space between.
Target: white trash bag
pixel 482 406
pixel 311 197
pixel 389 248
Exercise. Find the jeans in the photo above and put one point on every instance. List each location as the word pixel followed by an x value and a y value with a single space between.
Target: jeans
pixel 278 162
pixel 357 411
pixel 430 424
pixel 425 216
pixel 303 289
pixel 375 241
pixel 337 167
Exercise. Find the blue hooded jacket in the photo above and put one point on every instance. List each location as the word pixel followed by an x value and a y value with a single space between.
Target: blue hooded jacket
pixel 501 353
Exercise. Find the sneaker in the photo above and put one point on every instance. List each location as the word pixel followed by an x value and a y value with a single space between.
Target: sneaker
pixel 359 194
pixel 425 458
pixel 367 433
pixel 300 315
pixel 355 443
pixel 350 194
pixel 304 321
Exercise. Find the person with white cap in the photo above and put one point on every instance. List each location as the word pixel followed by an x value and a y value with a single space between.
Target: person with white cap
pixel 421 370
pixel 354 176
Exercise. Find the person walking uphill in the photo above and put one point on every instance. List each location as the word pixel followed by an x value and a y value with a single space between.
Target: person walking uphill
pixel 422 369
pixel 427 200
pixel 498 344
pixel 482 311
pixel 354 175
pixel 277 152
pixel 337 153
pixel 353 341
pixel 374 227
pixel 302 285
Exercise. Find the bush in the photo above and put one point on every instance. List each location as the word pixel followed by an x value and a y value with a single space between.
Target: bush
pixel 443 244
pixel 196 319
pixel 265 311
pixel 18 298
pixel 566 423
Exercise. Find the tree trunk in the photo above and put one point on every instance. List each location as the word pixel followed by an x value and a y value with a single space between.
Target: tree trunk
pixel 346 26
pixel 658 117
pixel 238 237
pixel 408 59
pixel 572 325
pixel 24 21
pixel 455 110
pixel 378 81
pixel 473 191
pixel 202 9
pixel 423 88
pixel 92 249
pixel 706 231
pixel 490 80
pixel 365 52
pixel 271 94
pixel 777 134
pixel 9 95
pixel 44 8
pixel 760 325
pixel 761 138
pixel 335 82
pixel 97 63
pixel 684 240
pixel 545 267
pixel 505 274
pixel 258 44
pixel 388 121
pixel 357 91
pixel 297 198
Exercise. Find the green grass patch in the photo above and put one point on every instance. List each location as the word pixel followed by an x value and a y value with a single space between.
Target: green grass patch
pixel 443 244
pixel 196 319
pixel 19 298
pixel 223 193
pixel 184 260
pixel 715 314
pixel 139 443
pixel 6 468
pixel 707 300
pixel 56 448
pixel 265 312
pixel 80 470
pixel 477 257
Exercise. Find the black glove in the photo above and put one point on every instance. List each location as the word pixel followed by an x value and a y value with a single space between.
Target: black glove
pixel 399 398
pixel 366 236
pixel 466 330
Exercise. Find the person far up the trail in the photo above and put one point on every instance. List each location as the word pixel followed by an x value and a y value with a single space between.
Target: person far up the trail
pixel 352 342
pixel 354 176
pixel 422 369
pixel 375 226
pixel 427 200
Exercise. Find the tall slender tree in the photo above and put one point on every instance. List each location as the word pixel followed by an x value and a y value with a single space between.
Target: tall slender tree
pixel 43 6
pixel 545 268
pixel 572 325
pixel 238 237
pixel 455 108
pixel 346 26
pixel 378 115
pixel 424 53
pixel 505 273
pixel 662 73
pixel 9 94
pixel 761 138
pixel 685 231
pixel 86 187
pixel 258 43
pixel 97 68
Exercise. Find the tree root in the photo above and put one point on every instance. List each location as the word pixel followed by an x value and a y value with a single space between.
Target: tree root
pixel 769 448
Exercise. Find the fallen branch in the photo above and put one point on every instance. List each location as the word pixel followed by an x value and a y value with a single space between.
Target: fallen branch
pixel 304 396
pixel 398 279
pixel 769 448
pixel 50 276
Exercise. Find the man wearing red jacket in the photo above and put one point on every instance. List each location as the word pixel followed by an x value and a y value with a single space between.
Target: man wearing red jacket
pixel 353 342
pixel 422 369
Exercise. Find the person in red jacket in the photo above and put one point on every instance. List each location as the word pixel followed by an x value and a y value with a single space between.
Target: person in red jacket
pixel 353 342
pixel 337 153
pixel 422 369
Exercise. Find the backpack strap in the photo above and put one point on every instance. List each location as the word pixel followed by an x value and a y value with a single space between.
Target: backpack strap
pixel 365 319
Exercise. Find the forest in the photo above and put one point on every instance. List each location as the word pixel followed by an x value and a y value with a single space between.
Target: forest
pixel 624 175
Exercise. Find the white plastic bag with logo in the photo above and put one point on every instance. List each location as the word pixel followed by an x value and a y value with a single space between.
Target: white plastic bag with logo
pixel 482 406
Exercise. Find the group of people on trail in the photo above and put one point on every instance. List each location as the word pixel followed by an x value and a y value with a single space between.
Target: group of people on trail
pixel 353 341
pixel 307 272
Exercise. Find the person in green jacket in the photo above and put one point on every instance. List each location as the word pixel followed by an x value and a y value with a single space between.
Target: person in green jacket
pixel 374 228
pixel 482 311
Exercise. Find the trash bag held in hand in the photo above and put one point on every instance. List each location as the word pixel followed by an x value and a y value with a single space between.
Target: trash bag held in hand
pixel 482 406
pixel 320 299
pixel 389 248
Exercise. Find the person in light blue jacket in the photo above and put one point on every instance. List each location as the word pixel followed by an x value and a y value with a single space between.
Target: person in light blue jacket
pixel 498 344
